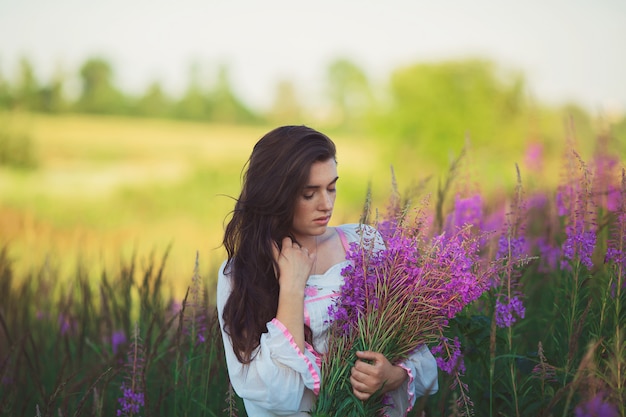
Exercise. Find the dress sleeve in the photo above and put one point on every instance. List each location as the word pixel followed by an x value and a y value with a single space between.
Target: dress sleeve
pixel 421 367
pixel 279 372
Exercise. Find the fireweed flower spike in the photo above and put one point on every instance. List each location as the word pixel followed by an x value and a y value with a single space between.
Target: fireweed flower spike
pixel 195 320
pixel 616 251
pixel 512 252
pixel 508 311
pixel 580 226
pixel 132 388
pixel 449 356
pixel 605 166
pixel 467 210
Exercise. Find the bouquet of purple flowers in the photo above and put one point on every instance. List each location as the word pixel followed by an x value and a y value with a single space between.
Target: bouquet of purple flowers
pixel 400 290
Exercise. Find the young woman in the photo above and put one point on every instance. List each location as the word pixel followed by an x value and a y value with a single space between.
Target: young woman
pixel 283 272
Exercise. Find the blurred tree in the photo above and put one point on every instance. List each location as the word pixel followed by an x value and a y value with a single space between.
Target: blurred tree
pixel 27 87
pixel 350 94
pixel 52 96
pixel 5 93
pixel 194 104
pixel 434 107
pixel 227 107
pixel 154 102
pixel 98 94
pixel 286 108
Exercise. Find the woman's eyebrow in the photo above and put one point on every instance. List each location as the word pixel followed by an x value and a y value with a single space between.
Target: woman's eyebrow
pixel 314 187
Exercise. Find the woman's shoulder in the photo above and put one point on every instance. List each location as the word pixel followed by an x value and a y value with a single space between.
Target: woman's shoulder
pixel 223 284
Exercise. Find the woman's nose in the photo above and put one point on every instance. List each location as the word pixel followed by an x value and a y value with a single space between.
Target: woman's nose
pixel 327 201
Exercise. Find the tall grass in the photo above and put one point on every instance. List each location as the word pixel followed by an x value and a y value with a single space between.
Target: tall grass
pixel 94 347
pixel 547 339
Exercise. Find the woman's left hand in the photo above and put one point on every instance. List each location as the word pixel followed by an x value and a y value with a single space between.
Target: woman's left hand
pixel 371 372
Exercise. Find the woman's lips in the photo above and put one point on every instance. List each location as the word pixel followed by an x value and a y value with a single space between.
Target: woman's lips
pixel 322 220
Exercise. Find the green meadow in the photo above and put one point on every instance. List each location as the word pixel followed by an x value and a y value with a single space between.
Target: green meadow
pixel 106 187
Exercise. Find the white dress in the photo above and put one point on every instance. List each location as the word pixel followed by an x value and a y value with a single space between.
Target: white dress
pixel 282 380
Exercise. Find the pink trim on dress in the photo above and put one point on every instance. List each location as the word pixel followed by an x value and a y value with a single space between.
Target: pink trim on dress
pixel 318 357
pixel 321 297
pixel 289 336
pixel 307 317
pixel 342 237
pixel 409 391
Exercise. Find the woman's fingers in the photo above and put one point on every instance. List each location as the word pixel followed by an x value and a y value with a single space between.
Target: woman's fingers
pixel 294 263
pixel 373 371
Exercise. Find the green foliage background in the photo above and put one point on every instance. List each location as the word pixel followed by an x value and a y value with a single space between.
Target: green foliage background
pixel 96 172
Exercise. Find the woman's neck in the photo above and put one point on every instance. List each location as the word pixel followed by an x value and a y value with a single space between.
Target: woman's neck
pixel 309 242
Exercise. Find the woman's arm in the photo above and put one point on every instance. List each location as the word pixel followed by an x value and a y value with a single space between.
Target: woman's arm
pixel 280 370
pixel 294 263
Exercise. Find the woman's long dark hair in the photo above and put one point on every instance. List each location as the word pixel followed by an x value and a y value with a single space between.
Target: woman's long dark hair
pixel 276 175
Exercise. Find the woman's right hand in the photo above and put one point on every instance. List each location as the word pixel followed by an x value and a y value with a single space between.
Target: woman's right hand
pixel 294 264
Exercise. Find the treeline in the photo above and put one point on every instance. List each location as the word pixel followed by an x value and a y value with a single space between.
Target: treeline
pixel 423 106
pixel 97 93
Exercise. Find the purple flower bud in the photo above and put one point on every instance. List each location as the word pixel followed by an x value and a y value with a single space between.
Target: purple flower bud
pixel 448 356
pixel 130 401
pixel 508 311
pixel 117 338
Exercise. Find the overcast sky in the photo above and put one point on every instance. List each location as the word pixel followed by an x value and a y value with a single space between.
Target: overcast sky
pixel 567 49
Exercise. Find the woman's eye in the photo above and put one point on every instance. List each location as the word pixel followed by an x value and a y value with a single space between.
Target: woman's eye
pixel 307 196
pixel 332 190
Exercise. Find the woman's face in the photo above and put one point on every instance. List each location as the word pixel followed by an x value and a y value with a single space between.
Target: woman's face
pixel 314 205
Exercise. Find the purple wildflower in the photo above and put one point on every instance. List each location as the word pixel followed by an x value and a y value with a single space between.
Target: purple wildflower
pixel 605 170
pixel 563 199
pixel 596 407
pixel 467 211
pixel 537 201
pixel 117 338
pixel 534 157
pixel 508 311
pixel 130 402
pixel 616 256
pixel 67 324
pixel 580 227
pixel 359 283
pixel 514 248
pixel 457 257
pixel 580 245
pixel 449 356
pixel 612 198
pixel 132 398
pixel 543 370
pixel 616 251
pixel 387 228
pixel 196 321
pixel 549 255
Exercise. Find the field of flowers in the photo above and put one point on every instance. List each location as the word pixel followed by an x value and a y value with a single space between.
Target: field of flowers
pixel 545 337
